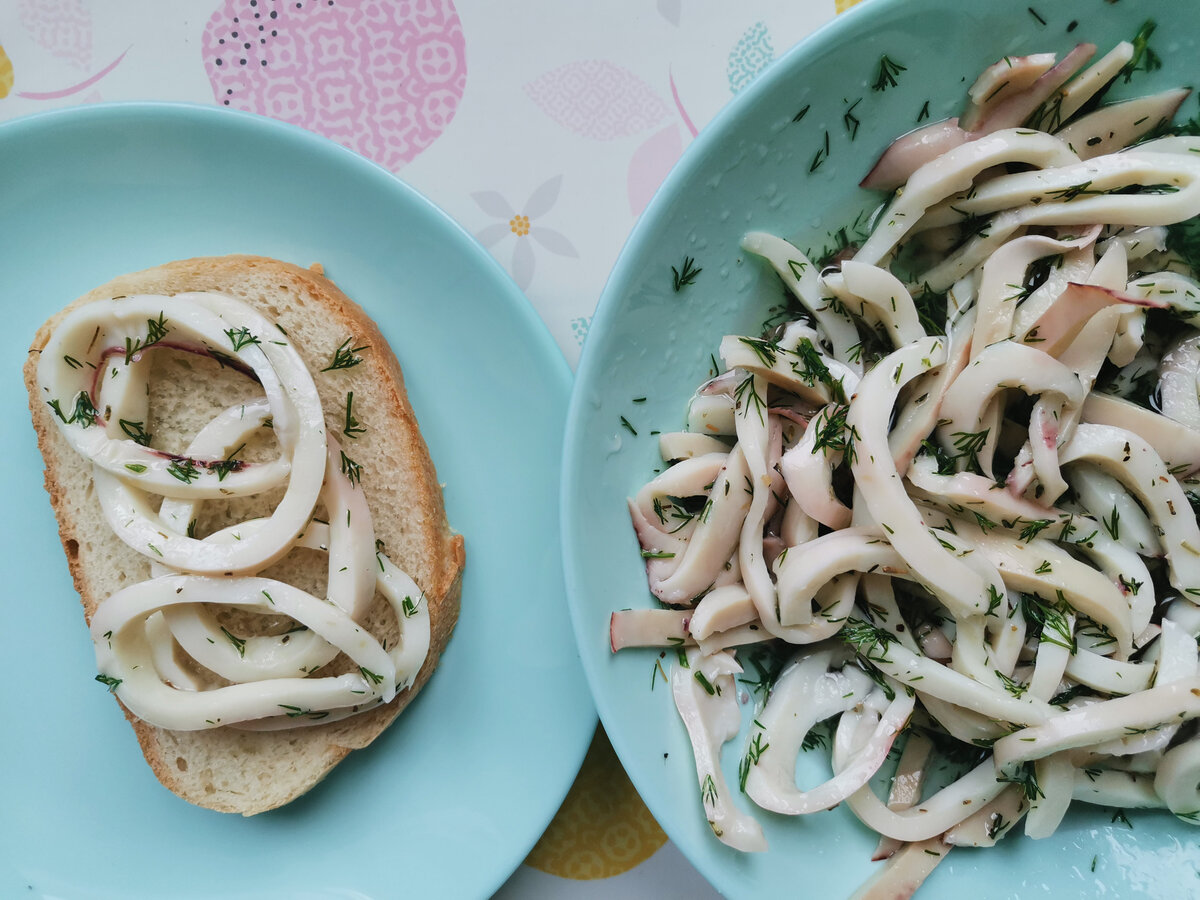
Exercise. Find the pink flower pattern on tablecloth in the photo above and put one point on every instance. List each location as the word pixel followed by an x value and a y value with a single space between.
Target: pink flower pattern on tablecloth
pixel 600 100
pixel 597 99
pixel 524 227
pixel 383 78
pixel 63 27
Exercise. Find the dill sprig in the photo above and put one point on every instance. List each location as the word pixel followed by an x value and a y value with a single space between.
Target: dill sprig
pixel 1144 59
pixel 156 330
pixel 850 120
pixel 183 469
pixel 754 751
pixel 1026 776
pixel 1069 193
pixel 821 155
pixel 344 357
pixel 351 469
pixel 1033 529
pixel 1011 685
pixel 297 712
pixel 229 464
pixel 888 70
pixel 110 681
pixel 746 397
pixel 239 644
pixel 968 444
pixel 767 352
pixel 1049 620
pixel 931 310
pixel 810 366
pixel 685 274
pixel 135 431
pixel 240 338
pixel 352 428
pixel 833 433
pixel 767 661
pixel 83 413
pixel 868 640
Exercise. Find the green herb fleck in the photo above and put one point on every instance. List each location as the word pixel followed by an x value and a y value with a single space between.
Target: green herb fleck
pixel 1027 778
pixel 239 644
pixel 370 676
pixel 685 274
pixel 241 338
pixel 888 70
pixel 113 683
pixel 352 428
pixel 344 356
pixel 1144 59
pixel 135 431
pixel 351 469
pixel 183 469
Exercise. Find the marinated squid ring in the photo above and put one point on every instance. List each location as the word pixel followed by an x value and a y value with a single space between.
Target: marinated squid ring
pixel 96 364
pixel 124 655
pixel 348 539
pixel 75 367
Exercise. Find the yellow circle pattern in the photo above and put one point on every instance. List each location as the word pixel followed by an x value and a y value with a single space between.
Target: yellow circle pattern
pixel 6 74
pixel 603 828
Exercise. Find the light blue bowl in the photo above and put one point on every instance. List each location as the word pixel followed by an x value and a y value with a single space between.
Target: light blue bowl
pixel 755 168
pixel 448 801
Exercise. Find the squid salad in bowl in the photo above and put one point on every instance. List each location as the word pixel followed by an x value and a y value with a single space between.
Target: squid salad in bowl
pixel 925 547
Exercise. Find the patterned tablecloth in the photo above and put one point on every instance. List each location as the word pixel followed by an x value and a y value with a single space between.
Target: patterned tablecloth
pixel 543 127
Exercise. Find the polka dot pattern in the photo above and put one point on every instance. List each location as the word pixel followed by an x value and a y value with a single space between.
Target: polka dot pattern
pixel 382 78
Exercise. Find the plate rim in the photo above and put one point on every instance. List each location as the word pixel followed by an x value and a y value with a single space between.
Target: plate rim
pixel 255 122
pixel 551 363
pixel 622 276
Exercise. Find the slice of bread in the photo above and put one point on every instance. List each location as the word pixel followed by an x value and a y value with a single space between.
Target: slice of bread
pixel 225 768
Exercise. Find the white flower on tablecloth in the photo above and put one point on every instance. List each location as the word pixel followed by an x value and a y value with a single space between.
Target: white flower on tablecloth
pixel 524 228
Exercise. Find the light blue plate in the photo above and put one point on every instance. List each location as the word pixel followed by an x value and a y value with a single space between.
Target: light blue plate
pixel 756 167
pixel 449 800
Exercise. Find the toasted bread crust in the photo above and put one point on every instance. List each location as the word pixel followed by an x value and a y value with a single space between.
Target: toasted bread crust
pixel 233 770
